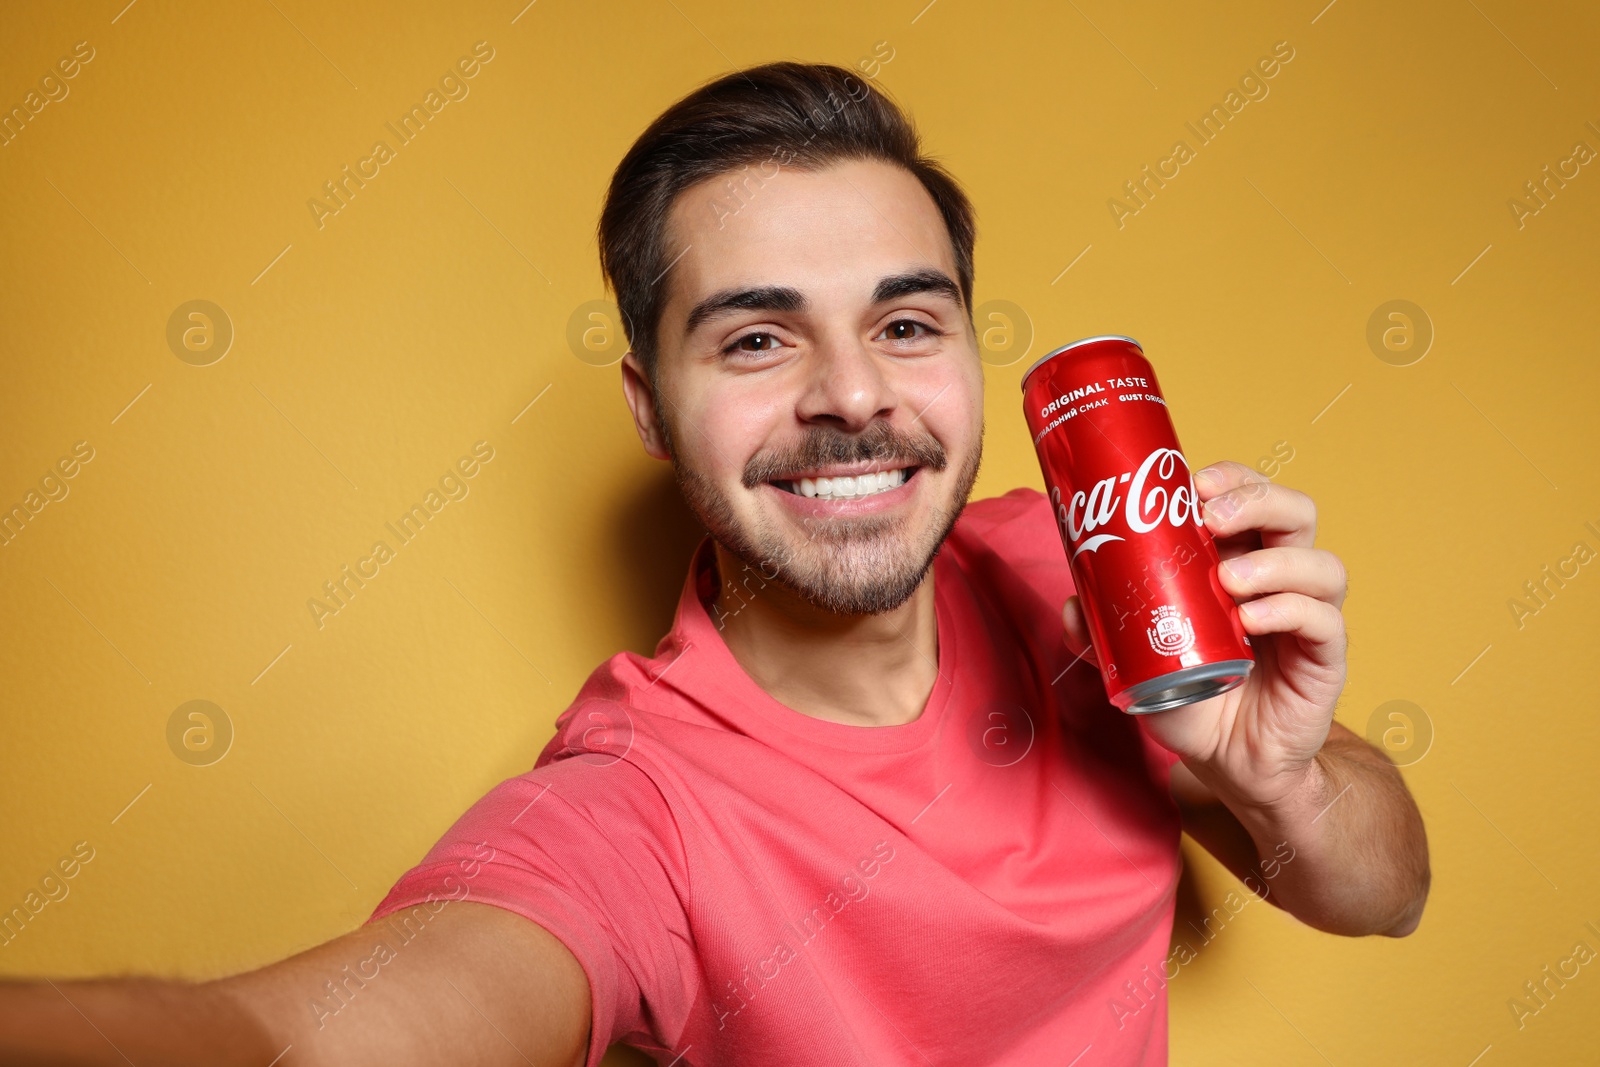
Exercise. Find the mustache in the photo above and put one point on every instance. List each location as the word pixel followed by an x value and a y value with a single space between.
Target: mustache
pixel 824 445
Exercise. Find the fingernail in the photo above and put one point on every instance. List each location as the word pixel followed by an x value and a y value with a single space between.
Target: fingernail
pixel 1240 567
pixel 1256 609
pixel 1205 474
pixel 1221 507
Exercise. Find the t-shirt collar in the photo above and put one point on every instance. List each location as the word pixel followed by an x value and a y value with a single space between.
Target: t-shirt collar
pixel 719 682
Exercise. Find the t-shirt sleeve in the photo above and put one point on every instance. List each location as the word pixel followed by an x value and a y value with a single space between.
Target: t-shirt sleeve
pixel 586 848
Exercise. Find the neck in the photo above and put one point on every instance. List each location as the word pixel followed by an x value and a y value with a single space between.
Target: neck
pixel 862 670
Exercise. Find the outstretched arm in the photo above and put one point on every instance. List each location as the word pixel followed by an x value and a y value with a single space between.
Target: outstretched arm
pixel 480 985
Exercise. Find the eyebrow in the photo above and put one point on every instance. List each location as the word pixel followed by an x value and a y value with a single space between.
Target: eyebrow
pixel 787 298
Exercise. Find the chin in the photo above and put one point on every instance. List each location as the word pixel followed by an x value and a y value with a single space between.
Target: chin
pixel 855 572
pixel 864 564
pixel 860 566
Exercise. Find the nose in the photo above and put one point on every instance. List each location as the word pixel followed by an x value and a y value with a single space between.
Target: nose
pixel 847 387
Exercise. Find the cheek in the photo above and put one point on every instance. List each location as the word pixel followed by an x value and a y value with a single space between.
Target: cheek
pixel 949 396
pixel 729 423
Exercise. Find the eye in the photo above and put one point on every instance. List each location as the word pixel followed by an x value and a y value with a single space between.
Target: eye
pixel 904 330
pixel 754 343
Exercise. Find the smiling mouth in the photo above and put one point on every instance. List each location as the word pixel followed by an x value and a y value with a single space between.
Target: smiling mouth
pixel 847 488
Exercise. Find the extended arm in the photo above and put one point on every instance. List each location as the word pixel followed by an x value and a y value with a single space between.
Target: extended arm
pixel 480 985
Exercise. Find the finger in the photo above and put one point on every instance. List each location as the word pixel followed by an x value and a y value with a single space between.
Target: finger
pixel 1223 475
pixel 1237 500
pixel 1077 629
pixel 1313 572
pixel 1319 626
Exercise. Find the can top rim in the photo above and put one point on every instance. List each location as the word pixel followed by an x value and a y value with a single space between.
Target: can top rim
pixel 1053 353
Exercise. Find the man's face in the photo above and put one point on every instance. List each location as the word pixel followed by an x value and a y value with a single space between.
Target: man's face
pixel 819 378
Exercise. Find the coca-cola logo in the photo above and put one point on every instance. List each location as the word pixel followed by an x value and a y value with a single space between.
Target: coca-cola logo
pixel 1160 491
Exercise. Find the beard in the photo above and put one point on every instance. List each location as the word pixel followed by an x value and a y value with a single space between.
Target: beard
pixel 859 566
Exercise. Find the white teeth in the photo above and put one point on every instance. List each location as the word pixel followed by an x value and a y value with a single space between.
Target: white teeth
pixel 846 488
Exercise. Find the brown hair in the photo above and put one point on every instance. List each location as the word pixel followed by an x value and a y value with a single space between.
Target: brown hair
pixel 806 115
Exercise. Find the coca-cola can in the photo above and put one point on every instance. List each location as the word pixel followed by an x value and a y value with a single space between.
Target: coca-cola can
pixel 1164 630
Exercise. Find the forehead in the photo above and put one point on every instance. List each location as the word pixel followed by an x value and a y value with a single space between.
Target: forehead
pixel 831 233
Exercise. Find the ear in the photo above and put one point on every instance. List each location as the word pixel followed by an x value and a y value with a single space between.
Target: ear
pixel 641 401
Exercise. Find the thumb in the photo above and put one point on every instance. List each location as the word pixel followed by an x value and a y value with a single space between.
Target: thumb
pixel 1077 629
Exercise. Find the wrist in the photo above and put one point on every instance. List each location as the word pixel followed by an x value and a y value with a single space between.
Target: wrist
pixel 1289 807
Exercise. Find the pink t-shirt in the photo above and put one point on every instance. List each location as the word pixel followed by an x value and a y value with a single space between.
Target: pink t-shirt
pixel 991 883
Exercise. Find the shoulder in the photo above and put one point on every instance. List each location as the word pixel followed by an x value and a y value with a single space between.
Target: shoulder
pixel 586 848
pixel 1014 536
pixel 1023 505
pixel 556 840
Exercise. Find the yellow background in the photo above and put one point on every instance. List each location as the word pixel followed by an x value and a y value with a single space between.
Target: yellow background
pixel 371 353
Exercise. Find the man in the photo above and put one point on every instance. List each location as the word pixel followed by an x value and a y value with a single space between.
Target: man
pixel 865 804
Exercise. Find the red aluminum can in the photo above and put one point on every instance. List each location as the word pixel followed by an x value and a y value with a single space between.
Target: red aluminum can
pixel 1165 631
